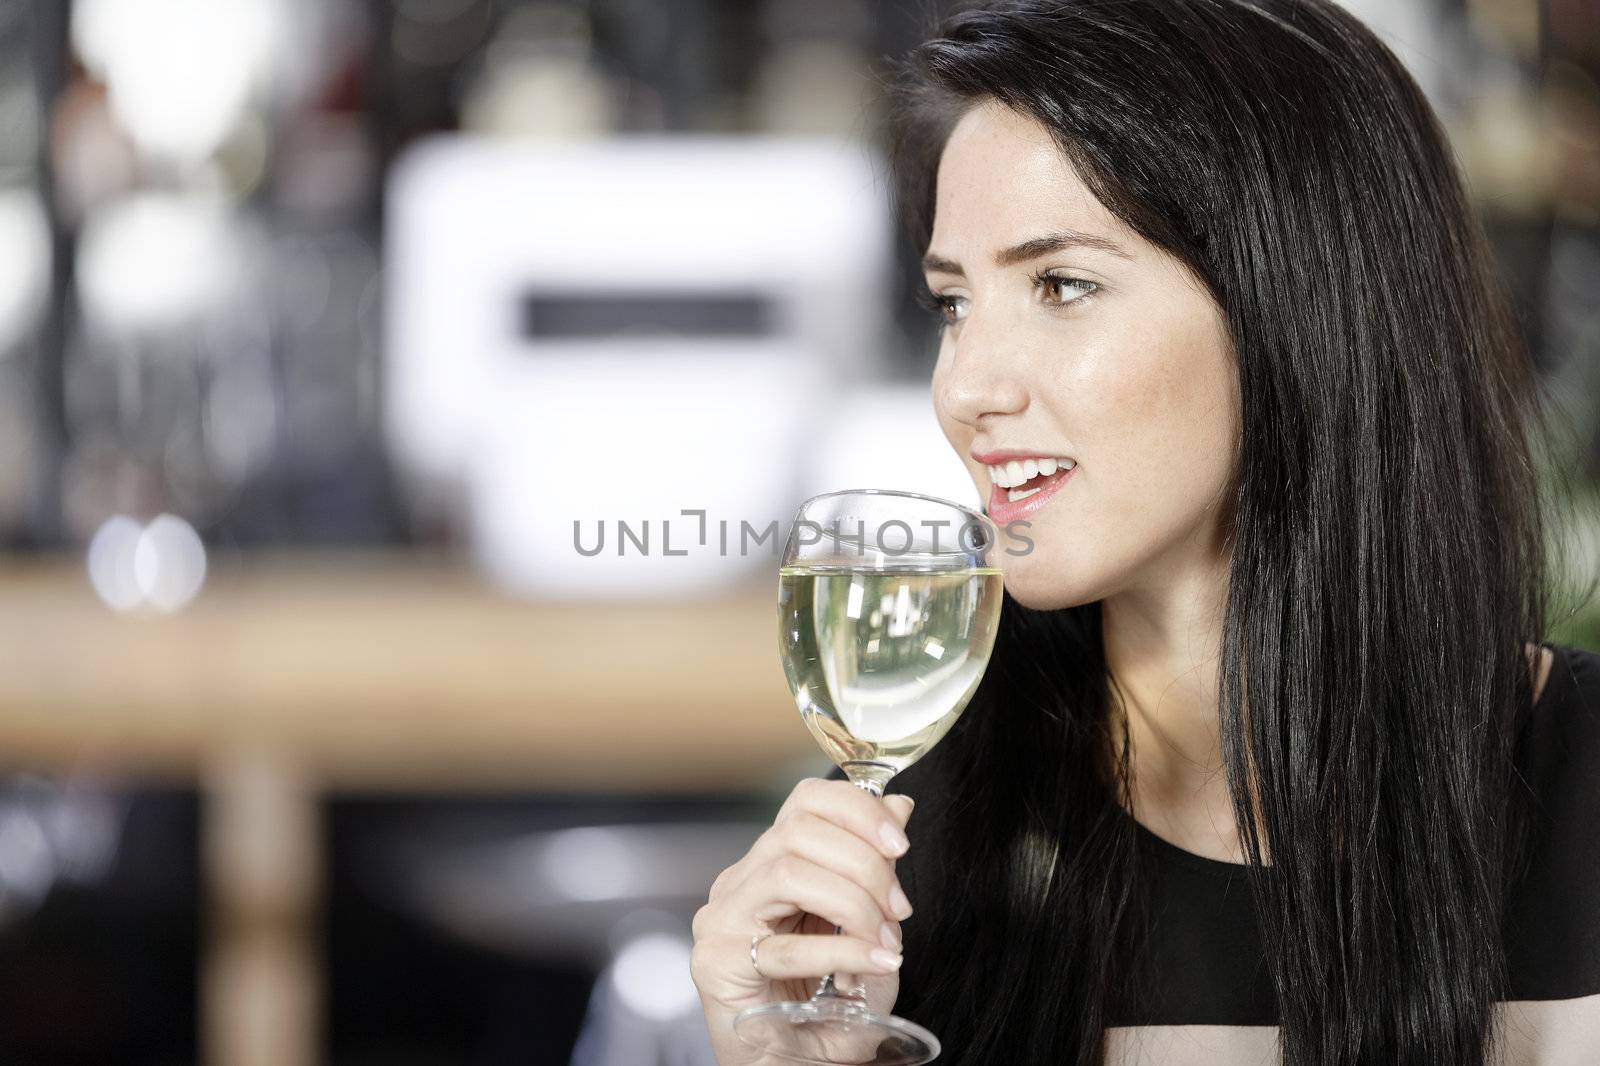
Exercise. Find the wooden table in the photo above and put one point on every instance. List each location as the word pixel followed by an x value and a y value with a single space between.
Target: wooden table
pixel 290 675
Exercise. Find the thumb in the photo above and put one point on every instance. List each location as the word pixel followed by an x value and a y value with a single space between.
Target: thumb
pixel 900 804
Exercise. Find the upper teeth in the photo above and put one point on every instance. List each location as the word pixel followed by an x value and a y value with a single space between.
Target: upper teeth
pixel 1010 475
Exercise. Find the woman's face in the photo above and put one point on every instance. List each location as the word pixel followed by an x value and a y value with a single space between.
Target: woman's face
pixel 1073 342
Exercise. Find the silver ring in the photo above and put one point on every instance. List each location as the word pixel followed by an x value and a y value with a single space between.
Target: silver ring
pixel 754 941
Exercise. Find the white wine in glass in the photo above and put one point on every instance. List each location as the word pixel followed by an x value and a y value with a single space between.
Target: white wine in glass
pixel 888 604
pixel 883 662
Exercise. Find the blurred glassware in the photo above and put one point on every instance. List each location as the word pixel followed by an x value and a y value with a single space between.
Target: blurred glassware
pixel 154 262
pixel 814 87
pixel 19 106
pixel 53 832
pixel 25 265
pixel 158 566
pixel 616 899
pixel 539 76
pixel 558 891
pixel 644 1007
pixel 179 73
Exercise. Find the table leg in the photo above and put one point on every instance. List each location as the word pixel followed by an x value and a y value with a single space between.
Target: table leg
pixel 260 985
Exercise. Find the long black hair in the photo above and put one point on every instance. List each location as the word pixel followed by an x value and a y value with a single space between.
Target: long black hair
pixel 1388 545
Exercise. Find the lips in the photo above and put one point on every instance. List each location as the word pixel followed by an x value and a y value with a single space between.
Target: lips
pixel 1014 502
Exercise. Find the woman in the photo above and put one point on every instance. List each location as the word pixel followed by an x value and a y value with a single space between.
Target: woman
pixel 1270 758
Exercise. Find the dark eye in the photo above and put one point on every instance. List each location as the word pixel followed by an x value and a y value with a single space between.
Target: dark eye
pixel 948 308
pixel 1061 290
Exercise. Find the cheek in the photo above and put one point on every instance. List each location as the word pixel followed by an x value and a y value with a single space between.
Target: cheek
pixel 1158 443
pixel 1167 406
pixel 957 432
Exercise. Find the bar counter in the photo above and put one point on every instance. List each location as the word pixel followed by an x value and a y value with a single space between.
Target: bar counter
pixel 291 675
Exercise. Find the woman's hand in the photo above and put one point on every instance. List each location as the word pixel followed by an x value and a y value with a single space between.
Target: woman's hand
pixel 827 860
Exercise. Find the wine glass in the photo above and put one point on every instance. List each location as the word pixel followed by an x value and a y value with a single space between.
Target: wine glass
pixel 887 608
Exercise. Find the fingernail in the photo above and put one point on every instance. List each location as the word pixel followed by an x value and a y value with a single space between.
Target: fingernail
pixel 886 960
pixel 899 906
pixel 893 838
pixel 887 938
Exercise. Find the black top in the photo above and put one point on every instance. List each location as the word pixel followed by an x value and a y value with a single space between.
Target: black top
pixel 1206 965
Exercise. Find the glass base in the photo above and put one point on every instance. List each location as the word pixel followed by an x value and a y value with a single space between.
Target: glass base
pixel 835 1031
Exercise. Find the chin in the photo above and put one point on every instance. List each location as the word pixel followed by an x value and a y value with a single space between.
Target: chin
pixel 1041 582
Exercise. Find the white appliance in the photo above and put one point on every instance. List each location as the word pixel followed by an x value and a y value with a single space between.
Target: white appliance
pixel 616 331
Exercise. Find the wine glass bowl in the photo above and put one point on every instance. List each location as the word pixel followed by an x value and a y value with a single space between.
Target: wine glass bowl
pixel 888 603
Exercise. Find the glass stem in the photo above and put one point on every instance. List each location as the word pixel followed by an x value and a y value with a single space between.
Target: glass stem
pixel 829 989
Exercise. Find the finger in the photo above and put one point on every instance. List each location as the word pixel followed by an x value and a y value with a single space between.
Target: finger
pixel 834 848
pixel 853 808
pixel 731 876
pixel 704 920
pixel 790 883
pixel 773 843
pixel 789 955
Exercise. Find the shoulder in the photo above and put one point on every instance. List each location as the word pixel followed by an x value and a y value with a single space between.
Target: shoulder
pixel 1579 671
pixel 1553 910
pixel 1566 1030
pixel 1559 750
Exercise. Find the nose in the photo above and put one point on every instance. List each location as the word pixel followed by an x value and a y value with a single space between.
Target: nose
pixel 979 379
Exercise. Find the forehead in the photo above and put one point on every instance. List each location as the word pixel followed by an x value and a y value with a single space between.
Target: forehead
pixel 1002 179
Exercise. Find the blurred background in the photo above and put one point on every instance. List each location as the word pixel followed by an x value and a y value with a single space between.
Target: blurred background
pixel 395 400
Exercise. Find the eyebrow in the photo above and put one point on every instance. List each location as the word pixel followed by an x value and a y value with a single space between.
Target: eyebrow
pixel 1027 250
